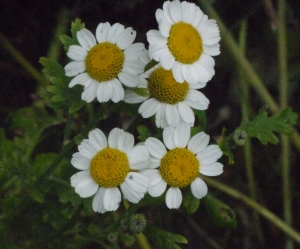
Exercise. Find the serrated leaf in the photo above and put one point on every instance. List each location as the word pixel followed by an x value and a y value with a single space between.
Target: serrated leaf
pixel 127 239
pixel 67 41
pixel 35 194
pixel 164 239
pixel 263 127
pixel 220 213
pixel 225 147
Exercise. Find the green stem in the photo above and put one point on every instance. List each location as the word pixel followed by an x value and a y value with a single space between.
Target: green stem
pixel 283 90
pixel 67 132
pixel 250 73
pixel 245 106
pixel 292 233
pixel 142 241
pixel 4 42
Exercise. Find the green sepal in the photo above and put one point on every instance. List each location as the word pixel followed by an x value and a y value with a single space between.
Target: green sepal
pixel 150 65
pixel 143 92
pixel 67 41
pixel 200 124
pixel 220 213
pixel 263 127
pixel 164 239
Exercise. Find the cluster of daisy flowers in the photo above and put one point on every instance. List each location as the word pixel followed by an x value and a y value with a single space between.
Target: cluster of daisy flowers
pixel 110 66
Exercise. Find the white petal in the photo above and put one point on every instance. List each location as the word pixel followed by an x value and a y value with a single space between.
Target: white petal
pixel 158 14
pixel 196 100
pixel 98 201
pixel 154 162
pixel 76 53
pixel 168 136
pixel 129 80
pixel 125 142
pixel 155 147
pixel 177 72
pixel 137 182
pixel 113 137
pixel 158 189
pixel 166 12
pixel 104 91
pixel 90 91
pixel 167 60
pixel 114 32
pixel 81 79
pixel 75 67
pixel 86 188
pixel 118 91
pixel 112 199
pixel 182 135
pixel 149 108
pixel 79 177
pixel 87 149
pixel 134 51
pixel 153 176
pixel 98 137
pixel 101 32
pixel 160 116
pixel 213 169
pixel 173 198
pixel 133 67
pixel 137 156
pixel 133 98
pixel 154 36
pixel 186 113
pixel 126 38
pixel 198 85
pixel 189 74
pixel 198 142
pixel 210 154
pixel 175 11
pixel 86 39
pixel 212 50
pixel 164 27
pixel 80 162
pixel 198 188
pixel 130 194
pixel 172 115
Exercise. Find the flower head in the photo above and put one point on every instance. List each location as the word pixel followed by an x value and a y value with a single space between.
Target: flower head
pixel 104 63
pixel 170 101
pixel 181 164
pixel 107 164
pixel 185 42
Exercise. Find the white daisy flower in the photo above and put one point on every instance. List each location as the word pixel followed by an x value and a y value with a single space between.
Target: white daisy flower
pixel 181 165
pixel 101 64
pixel 170 101
pixel 107 164
pixel 185 41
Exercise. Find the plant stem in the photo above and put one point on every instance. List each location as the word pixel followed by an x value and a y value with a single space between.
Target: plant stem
pixel 245 106
pixel 285 144
pixel 250 73
pixel 4 42
pixel 142 241
pixel 292 233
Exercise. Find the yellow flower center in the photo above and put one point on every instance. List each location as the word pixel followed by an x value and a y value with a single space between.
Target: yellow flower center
pixel 104 61
pixel 179 167
pixel 165 88
pixel 109 167
pixel 185 43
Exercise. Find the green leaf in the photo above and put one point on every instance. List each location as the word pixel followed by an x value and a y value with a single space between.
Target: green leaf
pixel 164 239
pixel 127 239
pixel 263 127
pixel 150 65
pixel 59 95
pixel 190 202
pixel 220 213
pixel 225 146
pixel 67 41
pixel 144 132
